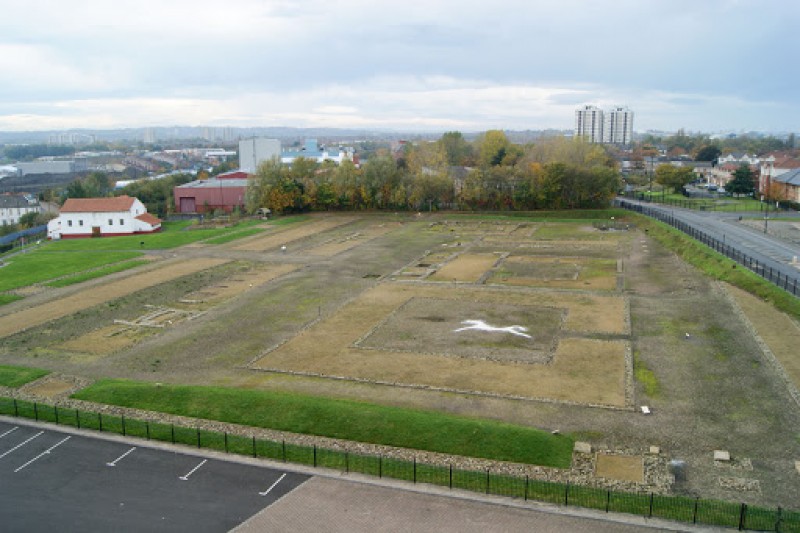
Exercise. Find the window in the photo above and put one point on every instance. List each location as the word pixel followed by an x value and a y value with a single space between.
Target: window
pixel 69 223
pixel 110 222
pixel 121 222
pixel 80 222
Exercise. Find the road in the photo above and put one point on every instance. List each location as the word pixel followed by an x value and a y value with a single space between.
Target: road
pixel 777 254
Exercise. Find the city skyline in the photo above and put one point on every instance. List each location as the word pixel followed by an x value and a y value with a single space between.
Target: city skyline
pixel 713 66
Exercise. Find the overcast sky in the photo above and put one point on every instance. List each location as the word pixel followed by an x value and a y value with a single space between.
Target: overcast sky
pixel 704 65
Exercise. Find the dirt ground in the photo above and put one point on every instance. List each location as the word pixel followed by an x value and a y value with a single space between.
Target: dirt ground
pixel 710 390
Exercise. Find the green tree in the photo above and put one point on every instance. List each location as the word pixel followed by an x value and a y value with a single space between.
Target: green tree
pixel 673 177
pixel 709 152
pixel 458 150
pixel 742 182
pixel 493 148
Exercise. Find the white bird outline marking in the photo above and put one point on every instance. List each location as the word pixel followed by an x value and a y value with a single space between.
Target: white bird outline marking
pixel 480 325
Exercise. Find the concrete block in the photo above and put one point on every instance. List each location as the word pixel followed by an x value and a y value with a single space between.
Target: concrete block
pixel 582 447
pixel 722 455
pixel 655 450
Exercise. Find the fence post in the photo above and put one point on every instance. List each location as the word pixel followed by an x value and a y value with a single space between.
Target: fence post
pixel 742 513
pixel 315 455
pixel 283 449
pixel 566 495
pixel 526 487
pixel 380 466
pixel 694 515
pixel 608 499
pixel 415 469
pixel 451 475
pixel 35 411
pixel 651 505
pixel 78 418
pixel 226 442
pixel 778 520
pixel 254 446
pixel 123 425
pixel 55 411
pixel 487 481
pixel 16 410
pixel 346 463
pixel 147 429
pixel 198 437
pixel 100 421
pixel 172 429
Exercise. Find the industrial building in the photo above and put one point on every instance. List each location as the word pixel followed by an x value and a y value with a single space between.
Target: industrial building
pixel 225 192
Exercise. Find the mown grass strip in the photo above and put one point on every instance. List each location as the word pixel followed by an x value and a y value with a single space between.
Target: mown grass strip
pixel 99 273
pixel 234 236
pixel 16 376
pixel 344 419
pixel 39 266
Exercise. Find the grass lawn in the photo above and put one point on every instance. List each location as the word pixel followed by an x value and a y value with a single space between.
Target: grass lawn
pixel 40 265
pixel 15 376
pixel 100 272
pixel 344 419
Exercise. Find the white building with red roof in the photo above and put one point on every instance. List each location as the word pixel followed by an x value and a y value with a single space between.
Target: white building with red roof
pixel 102 217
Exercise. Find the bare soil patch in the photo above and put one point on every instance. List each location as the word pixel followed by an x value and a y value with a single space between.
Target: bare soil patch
pixel 466 267
pixel 50 388
pixel 620 467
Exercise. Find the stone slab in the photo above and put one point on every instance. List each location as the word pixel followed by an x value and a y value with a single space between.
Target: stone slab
pixel 722 455
pixel 582 447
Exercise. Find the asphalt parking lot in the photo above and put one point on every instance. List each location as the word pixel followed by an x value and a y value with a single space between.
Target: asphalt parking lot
pixel 54 481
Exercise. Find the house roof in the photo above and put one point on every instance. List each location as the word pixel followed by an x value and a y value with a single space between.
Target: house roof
pixel 8 200
pixel 98 205
pixel 790 178
pixel 149 219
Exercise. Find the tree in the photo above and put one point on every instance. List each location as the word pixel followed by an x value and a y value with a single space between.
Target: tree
pixel 742 182
pixel 495 149
pixel 708 152
pixel 456 148
pixel 673 177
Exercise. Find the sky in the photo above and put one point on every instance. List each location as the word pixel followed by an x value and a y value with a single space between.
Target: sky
pixel 432 65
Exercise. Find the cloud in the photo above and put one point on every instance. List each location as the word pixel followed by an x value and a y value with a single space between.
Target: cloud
pixel 439 63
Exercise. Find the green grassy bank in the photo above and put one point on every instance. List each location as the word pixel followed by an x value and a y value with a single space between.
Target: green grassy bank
pixel 343 419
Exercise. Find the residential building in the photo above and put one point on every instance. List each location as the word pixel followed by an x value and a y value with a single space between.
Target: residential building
pixel 589 123
pixel 610 127
pixel 788 185
pixel 13 206
pixel 618 126
pixel 102 217
pixel 313 151
pixel 773 166
pixel 252 152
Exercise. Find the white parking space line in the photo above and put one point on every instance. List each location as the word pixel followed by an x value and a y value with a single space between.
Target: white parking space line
pixel 120 458
pixel 186 477
pixel 46 452
pixel 272 486
pixel 12 430
pixel 21 444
